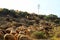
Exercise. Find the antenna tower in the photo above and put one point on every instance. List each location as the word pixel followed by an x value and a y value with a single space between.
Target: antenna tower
pixel 38 8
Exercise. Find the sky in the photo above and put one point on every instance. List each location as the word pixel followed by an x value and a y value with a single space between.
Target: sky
pixel 46 6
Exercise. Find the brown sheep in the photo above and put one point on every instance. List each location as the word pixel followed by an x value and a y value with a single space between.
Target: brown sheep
pixel 18 37
pixel 27 32
pixel 7 31
pixel 1 35
pixel 9 37
pixel 23 37
pixel 14 33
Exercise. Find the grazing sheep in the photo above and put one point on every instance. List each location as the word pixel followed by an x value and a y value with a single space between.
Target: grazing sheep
pixel 27 32
pixel 23 37
pixel 13 32
pixel 8 31
pixel 18 37
pixel 9 37
pixel 1 35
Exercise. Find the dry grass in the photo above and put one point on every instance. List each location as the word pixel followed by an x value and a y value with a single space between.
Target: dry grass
pixel 56 33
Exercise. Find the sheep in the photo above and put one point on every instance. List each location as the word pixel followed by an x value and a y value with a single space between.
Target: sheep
pixel 18 37
pixel 14 33
pixel 23 37
pixel 7 31
pixel 9 37
pixel 1 35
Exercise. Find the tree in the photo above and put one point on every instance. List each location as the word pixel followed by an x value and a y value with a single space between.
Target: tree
pixel 12 13
pixel 23 14
pixel 42 16
pixel 51 17
pixel 4 12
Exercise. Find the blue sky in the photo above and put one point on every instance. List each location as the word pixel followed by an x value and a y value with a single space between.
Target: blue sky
pixel 46 6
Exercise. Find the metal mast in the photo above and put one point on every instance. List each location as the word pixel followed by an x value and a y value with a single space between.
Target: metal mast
pixel 38 8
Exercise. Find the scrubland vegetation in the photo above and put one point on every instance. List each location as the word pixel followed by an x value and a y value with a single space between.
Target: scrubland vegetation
pixel 19 25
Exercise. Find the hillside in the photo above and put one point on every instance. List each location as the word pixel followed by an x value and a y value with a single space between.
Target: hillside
pixel 32 25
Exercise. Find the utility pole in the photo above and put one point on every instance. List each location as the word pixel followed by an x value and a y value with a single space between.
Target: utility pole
pixel 38 8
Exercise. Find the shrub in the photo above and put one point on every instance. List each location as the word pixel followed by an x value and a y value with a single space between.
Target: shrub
pixel 38 35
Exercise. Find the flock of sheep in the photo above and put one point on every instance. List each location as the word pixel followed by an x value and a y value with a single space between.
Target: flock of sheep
pixel 19 33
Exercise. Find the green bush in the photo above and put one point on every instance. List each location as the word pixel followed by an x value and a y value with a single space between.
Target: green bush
pixel 39 35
